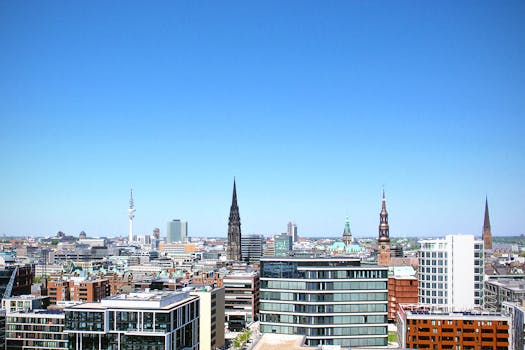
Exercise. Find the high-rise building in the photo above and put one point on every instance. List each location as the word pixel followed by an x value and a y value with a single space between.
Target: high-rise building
pixel 233 250
pixel 451 271
pixel 141 320
pixel 383 241
pixel 487 233
pixel 283 245
pixel 443 328
pixel 292 231
pixel 131 215
pixel 252 247
pixel 347 233
pixel 177 231
pixel 331 301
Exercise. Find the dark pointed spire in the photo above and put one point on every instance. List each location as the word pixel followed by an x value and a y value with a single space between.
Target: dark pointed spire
pixel 347 233
pixel 234 228
pixel 487 233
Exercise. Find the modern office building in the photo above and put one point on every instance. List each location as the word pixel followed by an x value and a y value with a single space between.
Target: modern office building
pixel 252 247
pixel 451 271
pixel 145 320
pixel 331 301
pixel 211 317
pixel 501 289
pixel 233 248
pixel 177 231
pixel 35 329
pixel 292 231
pixel 241 304
pixel 443 328
pixel 283 245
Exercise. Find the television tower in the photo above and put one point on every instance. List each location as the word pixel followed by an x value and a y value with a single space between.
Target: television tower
pixel 131 215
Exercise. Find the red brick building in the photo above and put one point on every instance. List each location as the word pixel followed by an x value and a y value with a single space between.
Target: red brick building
pixel 401 290
pixel 422 327
pixel 78 290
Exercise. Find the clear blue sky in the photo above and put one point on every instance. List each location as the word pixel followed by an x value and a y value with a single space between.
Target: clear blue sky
pixel 312 105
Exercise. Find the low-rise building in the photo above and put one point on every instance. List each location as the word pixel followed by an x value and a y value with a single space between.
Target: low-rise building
pixel 500 289
pixel 402 289
pixel 440 327
pixel 241 299
pixel 144 320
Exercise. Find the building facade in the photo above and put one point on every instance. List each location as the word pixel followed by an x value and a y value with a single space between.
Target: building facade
pixel 401 290
pixel 241 304
pixel 451 271
pixel 331 301
pixel 292 231
pixel 252 247
pixel 78 289
pixel 211 317
pixel 501 289
pixel 442 328
pixel 283 245
pixel 176 231
pixel 144 320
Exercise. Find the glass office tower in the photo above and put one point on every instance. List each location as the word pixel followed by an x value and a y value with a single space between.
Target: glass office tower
pixel 332 301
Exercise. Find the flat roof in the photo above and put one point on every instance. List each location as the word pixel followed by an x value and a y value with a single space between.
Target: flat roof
pixel 164 300
pixel 281 342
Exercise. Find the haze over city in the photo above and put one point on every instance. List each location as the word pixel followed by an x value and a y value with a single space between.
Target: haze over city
pixel 314 107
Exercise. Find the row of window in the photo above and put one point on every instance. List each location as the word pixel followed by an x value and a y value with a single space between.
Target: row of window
pixel 286 296
pixel 315 286
pixel 328 331
pixel 329 320
pixel 349 308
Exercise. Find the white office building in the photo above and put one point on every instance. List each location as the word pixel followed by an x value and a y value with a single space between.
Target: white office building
pixel 451 271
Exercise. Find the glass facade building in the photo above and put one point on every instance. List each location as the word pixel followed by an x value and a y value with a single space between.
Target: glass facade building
pixel 332 301
pixel 136 321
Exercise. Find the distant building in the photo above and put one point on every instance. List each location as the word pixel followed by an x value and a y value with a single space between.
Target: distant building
pixel 487 233
pixel 383 241
pixel 252 247
pixel 233 249
pixel 241 299
pixel 441 328
pixel 451 271
pixel 283 245
pixel 331 301
pixel 141 320
pixel 347 233
pixel 78 289
pixel 292 231
pixel 177 231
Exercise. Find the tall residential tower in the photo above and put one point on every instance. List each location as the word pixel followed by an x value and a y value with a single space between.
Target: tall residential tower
pixel 234 229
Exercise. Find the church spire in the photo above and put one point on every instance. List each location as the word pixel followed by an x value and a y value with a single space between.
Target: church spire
pixel 384 234
pixel 347 234
pixel 234 229
pixel 383 241
pixel 487 233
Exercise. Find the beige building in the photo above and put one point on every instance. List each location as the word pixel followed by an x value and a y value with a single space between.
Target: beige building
pixel 211 323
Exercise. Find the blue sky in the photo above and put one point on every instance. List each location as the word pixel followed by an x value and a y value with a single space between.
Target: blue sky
pixel 312 105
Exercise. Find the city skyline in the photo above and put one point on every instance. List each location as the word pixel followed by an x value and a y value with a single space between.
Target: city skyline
pixel 313 107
